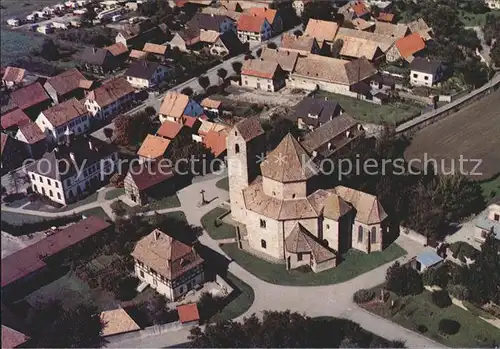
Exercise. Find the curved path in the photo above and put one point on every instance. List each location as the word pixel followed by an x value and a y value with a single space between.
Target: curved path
pixel 329 300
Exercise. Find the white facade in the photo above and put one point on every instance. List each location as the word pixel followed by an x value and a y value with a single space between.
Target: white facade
pixel 106 111
pixel 193 108
pixel 77 126
pixel 158 76
pixel 66 190
pixel 264 34
pixel 14 22
pixel 421 79
pixel 493 4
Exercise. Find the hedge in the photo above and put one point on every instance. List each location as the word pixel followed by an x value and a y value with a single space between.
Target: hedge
pixel 448 326
pixel 31 228
pixel 363 296
pixel 441 298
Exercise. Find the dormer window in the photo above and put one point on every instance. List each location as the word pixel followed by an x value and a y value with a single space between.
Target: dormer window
pixel 312 116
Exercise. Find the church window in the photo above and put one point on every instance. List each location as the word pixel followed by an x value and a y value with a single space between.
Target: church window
pixel 299 257
pixel 237 148
pixel 263 243
pixel 262 223
pixel 360 234
pixel 373 235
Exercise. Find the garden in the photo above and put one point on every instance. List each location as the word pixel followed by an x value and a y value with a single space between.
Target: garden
pixel 216 228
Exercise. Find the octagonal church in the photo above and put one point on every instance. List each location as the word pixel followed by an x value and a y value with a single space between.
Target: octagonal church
pixel 284 216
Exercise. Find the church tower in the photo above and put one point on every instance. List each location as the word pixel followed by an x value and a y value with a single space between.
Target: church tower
pixel 244 144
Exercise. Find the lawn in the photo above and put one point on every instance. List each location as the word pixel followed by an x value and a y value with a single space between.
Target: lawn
pixel 179 215
pixel 239 305
pixel 20 218
pixel 114 193
pixel 491 188
pixel 476 19
pixel 223 183
pixel 355 263
pixel 394 113
pixel 224 231
pixel 420 310
pixel 166 202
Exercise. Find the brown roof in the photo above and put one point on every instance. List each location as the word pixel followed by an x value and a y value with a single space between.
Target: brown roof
pixel 359 8
pixel 32 133
pixel 211 103
pixel 267 13
pixel 111 91
pixel 117 321
pixel 334 70
pixel 138 54
pixel 303 43
pixel 66 81
pixel 30 258
pixel 15 117
pixel 5 138
pixel 12 338
pixel 393 30
pixel 328 131
pixel 287 162
pixel 13 74
pixel 64 112
pixel 169 129
pixel 153 147
pixel 190 121
pixel 301 241
pixel 260 68
pixel 85 84
pixel 361 24
pixel 249 23
pixel 188 312
pixel 410 45
pixel 356 48
pixel 335 207
pixel 29 96
pixel 117 49
pixel 249 128
pixel 383 41
pixel 285 59
pixel 148 175
pixel 154 48
pixel 419 26
pixel 209 36
pixel 216 141
pixel 321 30
pixel 174 104
pixel 165 255
pixel 368 208
pixel 223 12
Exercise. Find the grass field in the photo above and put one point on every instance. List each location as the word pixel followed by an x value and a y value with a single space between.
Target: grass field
pixel 472 134
pixel 166 202
pixel 355 263
pixel 420 310
pixel 476 19
pixel 491 188
pixel 224 231
pixel 393 113
pixel 239 305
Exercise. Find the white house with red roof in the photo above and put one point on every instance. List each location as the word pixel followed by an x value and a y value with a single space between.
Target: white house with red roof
pixel 253 28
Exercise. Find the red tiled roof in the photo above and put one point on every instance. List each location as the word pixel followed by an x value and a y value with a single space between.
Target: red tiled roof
pixel 30 259
pixel 360 8
pixel 32 133
pixel 117 49
pixel 146 177
pixel 15 117
pixel 29 96
pixel 169 129
pixel 188 312
pixel 410 45
pixel 12 338
pixel 259 68
pixel 66 81
pixel 13 74
pixel 249 23
pixel 64 112
pixel 190 121
pixel 216 141
pixel 267 13
pixel 110 91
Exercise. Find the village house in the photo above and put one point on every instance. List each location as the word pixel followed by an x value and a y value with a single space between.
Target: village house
pixel 167 265
pixel 488 222
pixel 88 164
pixel 355 48
pixel 425 72
pixel 67 85
pixel 354 9
pixel 189 314
pixel 285 59
pixel 227 44
pixel 153 148
pixel 12 152
pixel 155 50
pixel 186 39
pixel 176 105
pixel 303 44
pixel 137 55
pixel 31 99
pixel 215 140
pixel 110 98
pixel 359 24
pixel 386 17
pixel 211 106
pixel 406 49
pixel 382 41
pixel 119 51
pixel 69 117
pixel 136 35
pixel 261 75
pixel 284 218
pixel 323 31
pixel 212 22
pixel 392 30
pixel 419 26
pixel 222 11
pixel 98 61
pixel 272 16
pixel 331 74
pixel 253 28
pixel 171 130
pixel 12 338
pixel 116 322
pixel 143 183
pixel 310 113
pixel 14 119
pixel 33 139
pixel 145 74
pixel 13 77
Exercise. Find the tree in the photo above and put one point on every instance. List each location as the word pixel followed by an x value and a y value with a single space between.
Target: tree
pixel 108 133
pixel 222 73
pixel 237 67
pixel 123 129
pixel 403 280
pixel 436 276
pixel 277 129
pixel 118 208
pixel 49 50
pixel 51 326
pixel 323 10
pixel 495 53
pixel 208 305
pixel 272 45
pixel 441 298
pixel 90 15
pixel 116 180
pixel 375 11
pixel 449 327
pixel 204 82
pixel 14 181
pixel 188 91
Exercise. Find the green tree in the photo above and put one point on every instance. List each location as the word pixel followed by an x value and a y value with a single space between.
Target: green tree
pixel 436 276
pixel 49 50
pixel 204 82
pixel 222 73
pixel 237 67
pixel 495 53
pixel 318 9
pixel 51 326
pixel 403 280
pixel 188 91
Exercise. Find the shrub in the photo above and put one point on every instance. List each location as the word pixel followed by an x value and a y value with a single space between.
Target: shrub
pixel 363 296
pixel 118 208
pixel 448 326
pixel 436 276
pixel 422 328
pixel 150 110
pixel 459 292
pixel 403 280
pixel 462 249
pixel 126 289
pixel 441 298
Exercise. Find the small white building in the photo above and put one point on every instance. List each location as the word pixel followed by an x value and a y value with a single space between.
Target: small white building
pixel 169 266
pixel 488 222
pixel 14 22
pixel 253 28
pixel 45 29
pixel 176 105
pixel 61 25
pixel 425 72
pixel 145 74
